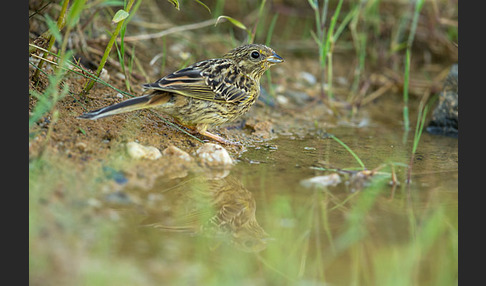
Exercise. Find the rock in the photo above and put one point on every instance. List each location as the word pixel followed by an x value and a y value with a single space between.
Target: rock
pixel 308 78
pixel 174 151
pixel 184 55
pixel 120 76
pixel 214 156
pixel 445 119
pixel 104 76
pixel 321 181
pixel 264 130
pixel 282 100
pixel 138 151
pixel 81 146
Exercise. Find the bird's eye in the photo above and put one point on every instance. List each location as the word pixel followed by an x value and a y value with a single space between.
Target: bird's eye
pixel 255 54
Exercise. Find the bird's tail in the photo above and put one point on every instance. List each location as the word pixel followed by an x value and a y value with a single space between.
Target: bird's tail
pixel 145 101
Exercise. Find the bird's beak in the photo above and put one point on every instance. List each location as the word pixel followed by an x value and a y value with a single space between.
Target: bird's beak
pixel 274 58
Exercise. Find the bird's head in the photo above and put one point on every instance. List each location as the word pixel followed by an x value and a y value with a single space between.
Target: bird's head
pixel 254 59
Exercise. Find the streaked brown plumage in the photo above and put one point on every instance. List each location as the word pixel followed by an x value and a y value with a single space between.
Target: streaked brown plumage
pixel 207 93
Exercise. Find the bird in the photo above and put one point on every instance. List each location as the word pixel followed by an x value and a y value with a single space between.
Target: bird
pixel 205 94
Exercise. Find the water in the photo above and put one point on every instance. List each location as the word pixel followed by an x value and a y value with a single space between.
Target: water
pixel 258 225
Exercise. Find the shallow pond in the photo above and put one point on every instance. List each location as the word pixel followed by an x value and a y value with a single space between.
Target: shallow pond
pixel 262 224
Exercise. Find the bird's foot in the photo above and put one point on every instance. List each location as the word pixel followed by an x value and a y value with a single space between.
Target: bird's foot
pixel 219 138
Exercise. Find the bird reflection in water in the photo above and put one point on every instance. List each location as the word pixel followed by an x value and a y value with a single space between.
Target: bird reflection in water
pixel 221 209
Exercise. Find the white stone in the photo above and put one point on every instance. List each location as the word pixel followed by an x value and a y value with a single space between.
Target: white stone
pixel 282 100
pixel 138 151
pixel 309 78
pixel 321 181
pixel 214 156
pixel 104 76
pixel 174 151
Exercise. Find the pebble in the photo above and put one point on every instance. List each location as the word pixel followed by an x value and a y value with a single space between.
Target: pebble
pixel 174 151
pixel 342 81
pixel 119 75
pixel 104 76
pixel 214 156
pixel 308 78
pixel 264 130
pixel 81 146
pixel 321 181
pixel 138 151
pixel 282 100
pixel 184 55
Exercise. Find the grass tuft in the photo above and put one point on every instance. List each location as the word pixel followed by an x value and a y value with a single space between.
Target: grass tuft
pixel 109 46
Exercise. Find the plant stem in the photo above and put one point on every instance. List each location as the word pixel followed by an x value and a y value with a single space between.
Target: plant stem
pixel 406 122
pixel 60 24
pixel 421 117
pixel 120 24
pixel 349 150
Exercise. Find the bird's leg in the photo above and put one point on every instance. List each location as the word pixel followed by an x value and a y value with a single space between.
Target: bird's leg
pixel 202 129
pixel 219 138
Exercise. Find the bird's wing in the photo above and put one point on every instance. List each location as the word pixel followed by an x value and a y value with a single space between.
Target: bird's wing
pixel 214 80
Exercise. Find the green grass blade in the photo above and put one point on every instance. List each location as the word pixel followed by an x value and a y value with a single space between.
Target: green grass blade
pixel 406 121
pixel 350 151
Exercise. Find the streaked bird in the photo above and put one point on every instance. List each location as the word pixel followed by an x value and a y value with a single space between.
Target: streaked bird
pixel 205 94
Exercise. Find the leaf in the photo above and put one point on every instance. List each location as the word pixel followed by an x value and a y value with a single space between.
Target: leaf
pixel 74 12
pixel 120 16
pixel 233 21
pixel 313 4
pixel 314 36
pixel 54 29
pixel 111 3
pixel 175 3
pixel 204 5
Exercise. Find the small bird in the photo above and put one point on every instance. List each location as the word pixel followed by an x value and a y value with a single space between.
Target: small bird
pixel 207 93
